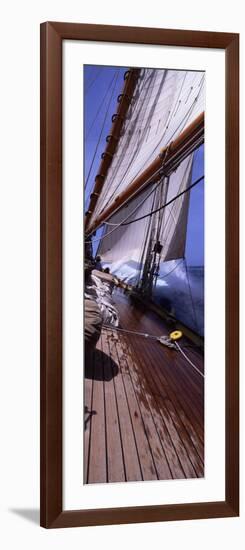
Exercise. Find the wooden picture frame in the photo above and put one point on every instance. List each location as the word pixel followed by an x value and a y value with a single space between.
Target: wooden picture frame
pixel 52 35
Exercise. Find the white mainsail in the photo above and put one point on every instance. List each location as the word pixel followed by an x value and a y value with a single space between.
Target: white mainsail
pixel 165 102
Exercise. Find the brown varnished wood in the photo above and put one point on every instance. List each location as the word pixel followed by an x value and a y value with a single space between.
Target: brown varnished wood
pixel 88 413
pixel 165 447
pixel 152 356
pixel 232 274
pixel 165 160
pixel 52 35
pixel 51 276
pixel 115 459
pixel 115 132
pixel 137 514
pixel 164 37
pixel 133 471
pixel 143 449
pixel 97 467
pixel 149 323
pixel 177 414
pixel 148 415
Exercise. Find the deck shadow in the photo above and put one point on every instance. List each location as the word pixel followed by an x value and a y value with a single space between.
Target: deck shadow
pixel 99 366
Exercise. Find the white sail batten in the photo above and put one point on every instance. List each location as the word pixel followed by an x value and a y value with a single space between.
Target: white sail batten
pixel 165 103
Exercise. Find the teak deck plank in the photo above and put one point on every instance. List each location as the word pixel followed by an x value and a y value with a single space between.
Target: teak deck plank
pixel 190 455
pixel 144 396
pixel 87 418
pixel 171 414
pixel 115 462
pixel 97 470
pixel 141 434
pixel 187 399
pixel 131 459
pixel 189 425
pixel 171 388
pixel 149 403
pixel 176 436
pixel 178 366
pixel 141 449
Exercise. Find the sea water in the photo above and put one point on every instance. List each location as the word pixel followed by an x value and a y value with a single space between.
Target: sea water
pixel 181 292
pixel 179 289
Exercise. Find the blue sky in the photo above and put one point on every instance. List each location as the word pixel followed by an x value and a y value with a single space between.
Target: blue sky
pixel 102 86
pixel 195 229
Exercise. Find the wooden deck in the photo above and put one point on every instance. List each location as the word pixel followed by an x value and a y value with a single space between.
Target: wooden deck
pixel 144 405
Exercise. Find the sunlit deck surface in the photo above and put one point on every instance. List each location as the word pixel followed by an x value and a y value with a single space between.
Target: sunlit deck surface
pixel 144 404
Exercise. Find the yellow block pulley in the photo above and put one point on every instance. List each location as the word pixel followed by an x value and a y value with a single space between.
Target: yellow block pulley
pixel 175 335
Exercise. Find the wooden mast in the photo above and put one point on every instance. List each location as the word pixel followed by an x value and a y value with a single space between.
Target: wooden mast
pixel 124 100
pixel 168 160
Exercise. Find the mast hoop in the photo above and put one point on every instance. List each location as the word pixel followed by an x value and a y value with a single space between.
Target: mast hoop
pixel 117 123
pixel 126 75
pixel 126 96
pixel 132 72
pixel 94 195
pixel 110 137
pixel 116 116
pixel 106 154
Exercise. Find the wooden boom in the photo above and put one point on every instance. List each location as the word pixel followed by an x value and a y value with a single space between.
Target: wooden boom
pixel 167 161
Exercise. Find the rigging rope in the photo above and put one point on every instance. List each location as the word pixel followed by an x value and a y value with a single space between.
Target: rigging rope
pixel 171 270
pixel 102 129
pixel 143 249
pixel 172 209
pixel 93 80
pixel 188 114
pixel 125 147
pixel 130 214
pixel 158 338
pixel 145 215
pixel 182 123
pixel 161 207
pixel 111 327
pixel 167 203
pixel 101 105
pixel 192 301
pixel 188 360
pixel 139 145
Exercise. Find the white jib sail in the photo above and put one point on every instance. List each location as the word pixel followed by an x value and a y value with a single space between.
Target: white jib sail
pixel 125 244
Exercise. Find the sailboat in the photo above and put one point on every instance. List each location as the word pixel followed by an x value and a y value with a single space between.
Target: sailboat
pixel 144 379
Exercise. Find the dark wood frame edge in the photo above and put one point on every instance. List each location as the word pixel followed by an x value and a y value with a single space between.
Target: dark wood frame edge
pixel 52 35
